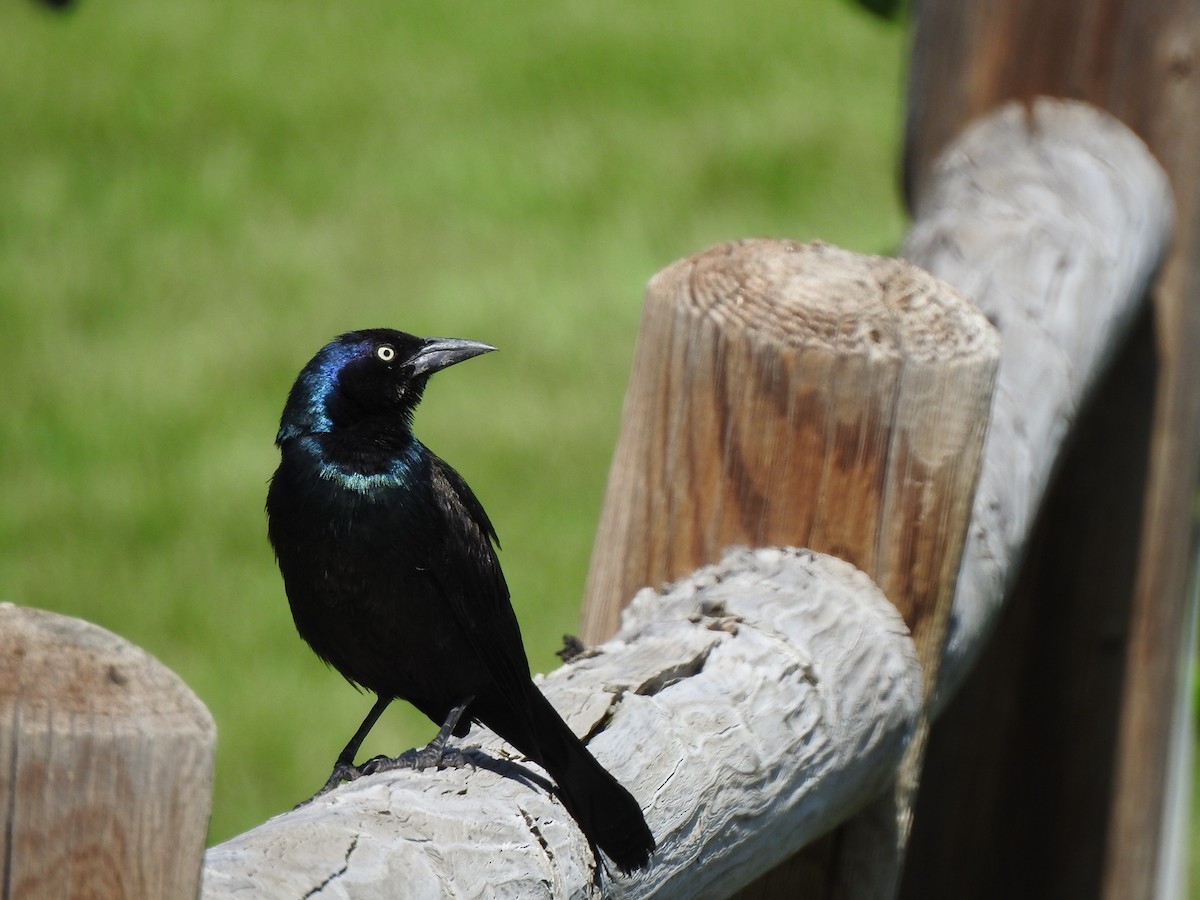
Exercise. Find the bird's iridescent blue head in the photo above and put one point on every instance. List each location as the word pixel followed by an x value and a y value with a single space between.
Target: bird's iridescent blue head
pixel 371 377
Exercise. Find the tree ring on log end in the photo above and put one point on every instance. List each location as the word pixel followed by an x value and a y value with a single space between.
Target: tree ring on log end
pixel 817 295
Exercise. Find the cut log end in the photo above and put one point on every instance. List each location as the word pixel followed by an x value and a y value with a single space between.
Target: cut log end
pixel 106 762
pixel 814 295
pixel 51 662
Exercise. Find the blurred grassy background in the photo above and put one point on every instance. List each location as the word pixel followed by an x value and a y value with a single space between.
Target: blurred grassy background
pixel 195 196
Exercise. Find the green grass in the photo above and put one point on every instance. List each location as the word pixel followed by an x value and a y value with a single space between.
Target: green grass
pixel 195 196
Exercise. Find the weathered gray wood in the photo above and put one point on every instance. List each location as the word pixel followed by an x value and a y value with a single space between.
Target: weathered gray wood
pixel 106 763
pixel 750 708
pixel 1052 219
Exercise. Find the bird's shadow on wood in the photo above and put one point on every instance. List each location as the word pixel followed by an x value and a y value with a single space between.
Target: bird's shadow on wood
pixel 508 768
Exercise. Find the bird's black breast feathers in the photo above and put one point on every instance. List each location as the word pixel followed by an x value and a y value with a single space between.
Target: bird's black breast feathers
pixel 412 554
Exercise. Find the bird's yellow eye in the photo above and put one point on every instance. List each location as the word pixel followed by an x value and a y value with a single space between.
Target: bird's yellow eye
pixel 385 352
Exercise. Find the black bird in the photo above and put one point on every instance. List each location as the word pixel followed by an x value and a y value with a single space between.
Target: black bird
pixel 390 569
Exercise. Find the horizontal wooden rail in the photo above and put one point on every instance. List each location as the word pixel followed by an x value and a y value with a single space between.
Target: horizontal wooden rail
pixel 750 707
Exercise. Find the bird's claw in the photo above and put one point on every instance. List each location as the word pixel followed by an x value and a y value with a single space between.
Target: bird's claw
pixel 419 759
pixel 341 772
pixel 434 755
pixel 453 758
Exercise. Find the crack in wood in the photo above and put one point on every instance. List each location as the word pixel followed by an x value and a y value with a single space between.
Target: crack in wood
pixel 336 875
pixel 537 833
pixel 674 674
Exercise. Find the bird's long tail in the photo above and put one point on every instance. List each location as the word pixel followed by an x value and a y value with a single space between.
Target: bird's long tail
pixel 607 814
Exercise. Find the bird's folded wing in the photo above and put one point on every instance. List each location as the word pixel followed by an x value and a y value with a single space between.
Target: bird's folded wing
pixel 474 584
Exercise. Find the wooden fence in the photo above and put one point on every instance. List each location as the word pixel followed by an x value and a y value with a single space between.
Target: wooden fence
pixel 966 685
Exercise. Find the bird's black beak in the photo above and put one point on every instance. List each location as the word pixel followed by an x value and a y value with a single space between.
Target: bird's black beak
pixel 436 354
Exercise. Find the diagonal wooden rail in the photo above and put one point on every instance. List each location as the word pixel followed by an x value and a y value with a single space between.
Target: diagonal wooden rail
pixel 1140 61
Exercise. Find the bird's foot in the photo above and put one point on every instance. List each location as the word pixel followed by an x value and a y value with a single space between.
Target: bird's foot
pixel 434 755
pixel 342 771
pixel 431 756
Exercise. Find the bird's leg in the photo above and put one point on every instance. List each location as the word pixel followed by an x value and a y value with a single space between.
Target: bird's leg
pixel 345 769
pixel 435 754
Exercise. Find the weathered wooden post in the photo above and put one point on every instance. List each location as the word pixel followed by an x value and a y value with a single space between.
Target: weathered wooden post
pixel 1126 495
pixel 106 764
pixel 799 394
pixel 788 393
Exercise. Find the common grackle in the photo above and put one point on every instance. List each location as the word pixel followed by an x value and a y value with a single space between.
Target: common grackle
pixel 390 569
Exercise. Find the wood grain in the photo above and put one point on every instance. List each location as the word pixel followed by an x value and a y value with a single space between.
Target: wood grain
pixel 789 393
